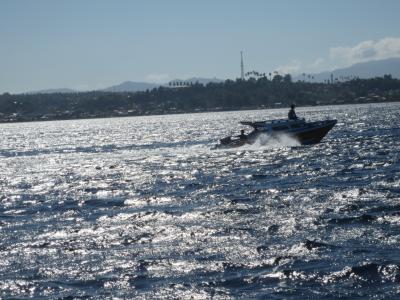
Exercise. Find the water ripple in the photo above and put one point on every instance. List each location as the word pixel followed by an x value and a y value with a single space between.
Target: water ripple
pixel 142 208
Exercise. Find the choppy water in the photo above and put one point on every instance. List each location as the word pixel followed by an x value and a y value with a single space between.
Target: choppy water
pixel 140 207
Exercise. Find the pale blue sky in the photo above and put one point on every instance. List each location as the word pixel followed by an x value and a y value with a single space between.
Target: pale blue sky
pixel 90 44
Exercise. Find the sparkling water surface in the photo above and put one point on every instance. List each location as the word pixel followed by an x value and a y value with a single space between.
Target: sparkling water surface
pixel 142 208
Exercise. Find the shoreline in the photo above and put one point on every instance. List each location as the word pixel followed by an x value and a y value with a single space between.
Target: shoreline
pixel 49 119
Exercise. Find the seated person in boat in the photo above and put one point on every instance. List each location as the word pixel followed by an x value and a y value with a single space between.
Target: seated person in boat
pixel 292 113
pixel 242 136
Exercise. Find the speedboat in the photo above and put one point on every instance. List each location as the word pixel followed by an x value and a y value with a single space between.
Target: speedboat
pixel 306 133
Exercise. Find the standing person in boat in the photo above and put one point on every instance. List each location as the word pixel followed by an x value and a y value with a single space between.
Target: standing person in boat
pixel 292 113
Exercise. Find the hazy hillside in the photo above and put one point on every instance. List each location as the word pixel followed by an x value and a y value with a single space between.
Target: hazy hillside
pixel 129 86
pixel 364 70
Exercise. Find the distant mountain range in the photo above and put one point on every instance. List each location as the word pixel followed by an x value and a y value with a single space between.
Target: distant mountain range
pixel 130 86
pixel 370 69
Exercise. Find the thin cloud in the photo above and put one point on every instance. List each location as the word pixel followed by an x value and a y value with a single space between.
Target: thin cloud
pixel 318 62
pixel 366 51
pixel 340 57
pixel 291 68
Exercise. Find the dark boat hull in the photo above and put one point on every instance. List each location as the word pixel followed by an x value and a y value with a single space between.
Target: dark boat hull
pixel 315 134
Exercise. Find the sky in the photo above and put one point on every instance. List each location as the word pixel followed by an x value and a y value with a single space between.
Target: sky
pixel 94 44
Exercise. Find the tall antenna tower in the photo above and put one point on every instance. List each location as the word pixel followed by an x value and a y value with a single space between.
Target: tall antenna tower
pixel 241 66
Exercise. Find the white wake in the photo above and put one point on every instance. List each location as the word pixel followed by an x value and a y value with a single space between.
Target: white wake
pixel 267 141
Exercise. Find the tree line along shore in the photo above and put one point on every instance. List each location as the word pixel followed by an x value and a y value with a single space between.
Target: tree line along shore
pixel 240 94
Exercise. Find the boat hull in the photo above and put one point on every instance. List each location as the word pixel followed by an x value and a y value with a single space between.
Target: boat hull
pixel 314 134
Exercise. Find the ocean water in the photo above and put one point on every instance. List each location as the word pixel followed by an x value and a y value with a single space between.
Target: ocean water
pixel 142 208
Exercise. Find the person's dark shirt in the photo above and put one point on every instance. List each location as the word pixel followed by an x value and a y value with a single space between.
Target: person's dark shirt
pixel 292 114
